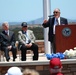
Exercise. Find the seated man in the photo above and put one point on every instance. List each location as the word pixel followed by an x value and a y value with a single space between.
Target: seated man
pixel 7 40
pixel 26 42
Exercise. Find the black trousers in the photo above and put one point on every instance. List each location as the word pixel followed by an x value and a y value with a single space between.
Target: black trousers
pixel 34 48
pixel 6 51
pixel 53 44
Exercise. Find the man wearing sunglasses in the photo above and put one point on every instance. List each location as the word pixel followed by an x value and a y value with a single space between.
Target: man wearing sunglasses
pixel 51 23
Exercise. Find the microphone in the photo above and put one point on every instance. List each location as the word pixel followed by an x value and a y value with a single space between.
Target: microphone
pixel 51 16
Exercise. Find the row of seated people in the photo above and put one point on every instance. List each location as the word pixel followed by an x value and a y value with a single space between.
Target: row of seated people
pixel 26 40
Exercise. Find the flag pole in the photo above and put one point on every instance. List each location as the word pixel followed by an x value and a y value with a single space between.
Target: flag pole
pixel 46 13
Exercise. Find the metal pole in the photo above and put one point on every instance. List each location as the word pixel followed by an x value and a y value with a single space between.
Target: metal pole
pixel 46 13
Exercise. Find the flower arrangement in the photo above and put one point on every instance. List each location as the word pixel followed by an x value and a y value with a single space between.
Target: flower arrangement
pixel 71 53
pixel 57 55
pixel 68 54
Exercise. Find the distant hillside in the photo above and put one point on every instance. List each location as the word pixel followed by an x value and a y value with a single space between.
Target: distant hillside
pixel 71 21
pixel 13 23
pixel 40 21
pixel 36 21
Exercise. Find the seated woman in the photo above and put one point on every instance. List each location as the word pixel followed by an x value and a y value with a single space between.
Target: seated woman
pixel 26 42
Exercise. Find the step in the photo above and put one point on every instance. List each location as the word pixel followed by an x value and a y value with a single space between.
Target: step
pixel 28 57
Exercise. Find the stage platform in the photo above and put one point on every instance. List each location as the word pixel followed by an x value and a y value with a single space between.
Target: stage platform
pixel 38 65
pixel 41 65
pixel 42 60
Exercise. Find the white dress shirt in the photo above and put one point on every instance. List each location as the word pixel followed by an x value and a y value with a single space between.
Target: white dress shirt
pixel 55 23
pixel 27 37
pixel 7 31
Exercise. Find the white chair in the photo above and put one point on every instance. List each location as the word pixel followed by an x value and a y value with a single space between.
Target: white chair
pixel 2 56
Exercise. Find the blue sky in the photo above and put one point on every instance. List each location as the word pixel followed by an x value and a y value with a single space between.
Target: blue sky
pixel 26 10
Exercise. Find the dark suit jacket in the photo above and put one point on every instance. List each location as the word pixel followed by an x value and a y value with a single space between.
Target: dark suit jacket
pixel 6 40
pixel 50 24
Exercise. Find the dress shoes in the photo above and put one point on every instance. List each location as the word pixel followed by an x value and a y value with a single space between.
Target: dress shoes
pixel 13 59
pixel 15 56
pixel 23 59
pixel 7 59
pixel 35 58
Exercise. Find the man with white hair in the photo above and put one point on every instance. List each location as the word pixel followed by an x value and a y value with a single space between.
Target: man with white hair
pixel 52 23
pixel 7 40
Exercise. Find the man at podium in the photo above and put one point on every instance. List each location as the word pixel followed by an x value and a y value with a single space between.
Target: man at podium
pixel 51 23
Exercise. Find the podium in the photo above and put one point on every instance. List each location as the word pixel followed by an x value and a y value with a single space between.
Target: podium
pixel 65 37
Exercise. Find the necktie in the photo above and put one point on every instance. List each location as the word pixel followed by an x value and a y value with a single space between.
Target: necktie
pixel 27 39
pixel 7 32
pixel 57 23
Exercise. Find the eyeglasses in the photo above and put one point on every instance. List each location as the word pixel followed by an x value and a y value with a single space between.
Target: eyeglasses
pixel 55 12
